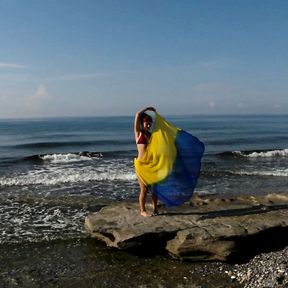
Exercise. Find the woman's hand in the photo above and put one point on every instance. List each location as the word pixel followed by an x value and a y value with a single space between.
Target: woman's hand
pixel 146 109
pixel 150 109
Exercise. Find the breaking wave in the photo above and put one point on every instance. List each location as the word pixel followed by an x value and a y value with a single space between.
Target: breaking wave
pixel 69 157
pixel 257 153
pixel 276 173
pixel 68 175
pixel 75 156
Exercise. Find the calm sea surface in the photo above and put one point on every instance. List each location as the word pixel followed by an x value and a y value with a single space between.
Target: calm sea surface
pixel 43 161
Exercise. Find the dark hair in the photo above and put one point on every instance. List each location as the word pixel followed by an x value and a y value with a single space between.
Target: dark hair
pixel 144 116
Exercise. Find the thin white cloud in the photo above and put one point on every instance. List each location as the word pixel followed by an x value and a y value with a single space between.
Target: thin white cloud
pixel 14 77
pixel 24 102
pixel 34 102
pixel 4 65
pixel 41 92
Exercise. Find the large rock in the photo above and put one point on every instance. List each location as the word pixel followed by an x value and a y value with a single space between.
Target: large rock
pixel 207 229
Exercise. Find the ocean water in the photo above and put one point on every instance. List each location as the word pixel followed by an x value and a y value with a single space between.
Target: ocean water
pixel 51 170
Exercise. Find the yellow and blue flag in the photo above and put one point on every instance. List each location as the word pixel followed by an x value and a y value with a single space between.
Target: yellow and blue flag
pixel 171 164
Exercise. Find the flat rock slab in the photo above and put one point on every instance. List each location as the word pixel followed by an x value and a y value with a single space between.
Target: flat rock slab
pixel 225 229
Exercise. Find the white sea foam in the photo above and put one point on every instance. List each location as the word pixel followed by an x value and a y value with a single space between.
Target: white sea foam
pixel 64 158
pixel 272 153
pixel 39 222
pixel 204 192
pixel 54 176
pixel 276 173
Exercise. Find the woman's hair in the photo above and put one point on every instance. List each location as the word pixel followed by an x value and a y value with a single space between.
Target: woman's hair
pixel 145 116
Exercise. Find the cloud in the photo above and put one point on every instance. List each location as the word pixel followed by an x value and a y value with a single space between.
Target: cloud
pixel 41 93
pixel 10 72
pixel 34 102
pixel 4 65
pixel 29 102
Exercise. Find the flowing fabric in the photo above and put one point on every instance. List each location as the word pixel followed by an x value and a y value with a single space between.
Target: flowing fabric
pixel 171 164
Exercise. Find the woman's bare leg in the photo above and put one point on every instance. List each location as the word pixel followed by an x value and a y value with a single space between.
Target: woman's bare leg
pixel 142 198
pixel 155 202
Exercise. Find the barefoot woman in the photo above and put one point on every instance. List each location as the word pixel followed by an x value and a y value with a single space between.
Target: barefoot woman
pixel 142 124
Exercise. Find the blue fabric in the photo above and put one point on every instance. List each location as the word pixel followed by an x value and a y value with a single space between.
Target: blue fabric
pixel 179 185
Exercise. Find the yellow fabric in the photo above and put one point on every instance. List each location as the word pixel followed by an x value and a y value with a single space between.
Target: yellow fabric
pixel 158 160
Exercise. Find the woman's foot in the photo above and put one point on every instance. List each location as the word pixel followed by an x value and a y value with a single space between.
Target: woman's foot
pixel 145 214
pixel 155 213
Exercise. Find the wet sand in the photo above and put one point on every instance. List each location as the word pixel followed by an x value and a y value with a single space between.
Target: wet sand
pixel 88 263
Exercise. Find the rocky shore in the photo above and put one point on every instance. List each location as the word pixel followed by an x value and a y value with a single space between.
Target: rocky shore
pixel 209 229
pixel 87 262
pixel 249 233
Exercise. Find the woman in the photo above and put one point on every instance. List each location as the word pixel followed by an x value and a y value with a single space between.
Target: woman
pixel 142 124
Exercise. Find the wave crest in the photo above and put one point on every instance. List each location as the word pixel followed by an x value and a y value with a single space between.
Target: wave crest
pixel 65 157
pixel 68 176
pixel 69 157
pixel 275 173
pixel 257 153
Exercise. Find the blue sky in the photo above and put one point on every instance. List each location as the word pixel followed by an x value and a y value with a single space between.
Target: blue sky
pixel 95 58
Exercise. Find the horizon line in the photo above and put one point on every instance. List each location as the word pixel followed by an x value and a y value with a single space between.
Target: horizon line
pixel 132 115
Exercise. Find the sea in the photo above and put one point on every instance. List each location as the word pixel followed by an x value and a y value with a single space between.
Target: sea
pixel 54 171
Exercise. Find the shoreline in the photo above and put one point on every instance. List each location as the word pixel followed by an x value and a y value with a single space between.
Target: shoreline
pixel 88 263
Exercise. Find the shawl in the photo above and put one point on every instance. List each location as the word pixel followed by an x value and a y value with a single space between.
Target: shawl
pixel 171 164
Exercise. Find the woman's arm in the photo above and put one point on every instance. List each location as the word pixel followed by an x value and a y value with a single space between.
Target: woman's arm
pixel 137 124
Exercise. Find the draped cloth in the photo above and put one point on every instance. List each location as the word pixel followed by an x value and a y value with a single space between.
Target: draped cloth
pixel 171 164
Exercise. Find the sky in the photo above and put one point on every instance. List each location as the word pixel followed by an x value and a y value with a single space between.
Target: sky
pixel 113 57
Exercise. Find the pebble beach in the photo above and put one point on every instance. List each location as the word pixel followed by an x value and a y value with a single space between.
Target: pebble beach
pixel 267 270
